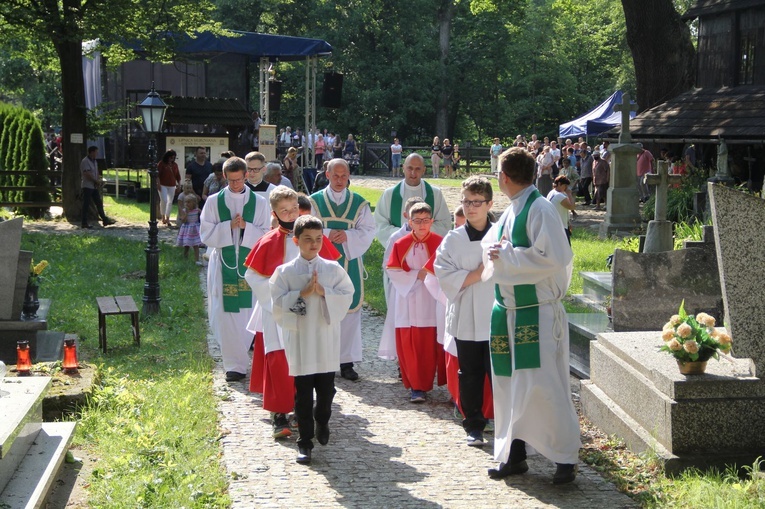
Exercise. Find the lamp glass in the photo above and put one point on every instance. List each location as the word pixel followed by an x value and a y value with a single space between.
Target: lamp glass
pixel 23 358
pixel 153 110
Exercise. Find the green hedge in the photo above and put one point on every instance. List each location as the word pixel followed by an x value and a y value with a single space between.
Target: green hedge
pixel 22 148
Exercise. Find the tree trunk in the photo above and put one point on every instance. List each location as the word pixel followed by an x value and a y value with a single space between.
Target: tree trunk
pixel 73 123
pixel 664 57
pixel 445 15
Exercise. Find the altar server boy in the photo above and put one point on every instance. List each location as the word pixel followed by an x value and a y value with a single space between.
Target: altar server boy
pixel 411 306
pixel 310 297
pixel 458 266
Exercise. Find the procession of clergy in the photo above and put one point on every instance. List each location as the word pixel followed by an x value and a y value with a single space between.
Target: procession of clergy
pixel 477 307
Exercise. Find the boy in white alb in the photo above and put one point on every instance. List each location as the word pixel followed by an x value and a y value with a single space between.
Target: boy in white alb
pixel 459 266
pixel 310 297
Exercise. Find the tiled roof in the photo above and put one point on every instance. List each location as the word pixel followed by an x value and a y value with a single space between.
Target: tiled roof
pixel 728 112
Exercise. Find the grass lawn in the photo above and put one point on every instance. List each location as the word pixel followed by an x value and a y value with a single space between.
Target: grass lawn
pixel 152 423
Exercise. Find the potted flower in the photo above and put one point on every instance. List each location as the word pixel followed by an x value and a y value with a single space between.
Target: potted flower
pixel 693 340
pixel 31 302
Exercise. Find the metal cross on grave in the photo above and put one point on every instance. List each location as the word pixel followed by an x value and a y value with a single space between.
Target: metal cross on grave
pixel 625 108
pixel 662 180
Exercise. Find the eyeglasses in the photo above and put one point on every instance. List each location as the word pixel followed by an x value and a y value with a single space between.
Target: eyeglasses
pixel 235 181
pixel 257 168
pixel 421 221
pixel 473 203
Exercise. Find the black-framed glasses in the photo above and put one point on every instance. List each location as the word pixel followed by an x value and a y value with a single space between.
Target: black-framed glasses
pixel 421 221
pixel 257 168
pixel 473 203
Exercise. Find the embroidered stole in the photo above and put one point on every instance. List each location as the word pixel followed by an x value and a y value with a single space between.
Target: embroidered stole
pixel 526 334
pixel 396 202
pixel 237 294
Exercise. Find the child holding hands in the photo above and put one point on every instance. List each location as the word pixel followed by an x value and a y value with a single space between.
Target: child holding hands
pixel 310 296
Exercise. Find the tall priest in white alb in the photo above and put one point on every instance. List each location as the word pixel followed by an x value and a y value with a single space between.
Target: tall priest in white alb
pixel 232 220
pixel 349 225
pixel 527 257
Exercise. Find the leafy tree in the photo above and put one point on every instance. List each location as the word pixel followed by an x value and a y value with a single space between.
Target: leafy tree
pixel 63 25
pixel 664 56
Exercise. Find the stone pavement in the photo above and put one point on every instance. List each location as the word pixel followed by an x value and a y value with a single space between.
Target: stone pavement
pixel 383 452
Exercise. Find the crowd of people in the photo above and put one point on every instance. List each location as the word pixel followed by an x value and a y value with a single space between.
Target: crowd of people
pixel 473 302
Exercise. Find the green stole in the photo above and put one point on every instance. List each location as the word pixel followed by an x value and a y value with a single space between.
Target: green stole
pixel 526 336
pixel 396 202
pixel 344 217
pixel 237 294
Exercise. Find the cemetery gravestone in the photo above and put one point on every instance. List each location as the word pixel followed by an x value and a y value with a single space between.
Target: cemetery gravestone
pixel 714 419
pixel 658 237
pixel 622 211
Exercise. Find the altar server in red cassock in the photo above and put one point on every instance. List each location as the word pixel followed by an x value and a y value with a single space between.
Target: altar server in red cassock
pixel 411 306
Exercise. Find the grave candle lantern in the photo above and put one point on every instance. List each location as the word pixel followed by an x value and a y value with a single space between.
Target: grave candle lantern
pixel 70 364
pixel 23 358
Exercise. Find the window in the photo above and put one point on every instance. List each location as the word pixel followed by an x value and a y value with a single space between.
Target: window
pixel 747 44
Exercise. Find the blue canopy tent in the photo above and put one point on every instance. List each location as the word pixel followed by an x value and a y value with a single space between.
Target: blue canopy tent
pixel 597 121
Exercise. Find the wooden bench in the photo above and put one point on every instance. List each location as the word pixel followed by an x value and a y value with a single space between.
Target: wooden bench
pixel 122 305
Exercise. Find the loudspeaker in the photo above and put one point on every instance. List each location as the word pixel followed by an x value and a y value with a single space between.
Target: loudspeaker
pixel 332 91
pixel 274 95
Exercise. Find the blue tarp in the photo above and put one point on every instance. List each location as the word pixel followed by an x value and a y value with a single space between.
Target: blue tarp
pixel 597 121
pixel 256 46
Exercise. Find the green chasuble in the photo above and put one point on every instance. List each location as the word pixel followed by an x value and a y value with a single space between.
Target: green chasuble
pixel 396 202
pixel 344 217
pixel 237 294
pixel 526 334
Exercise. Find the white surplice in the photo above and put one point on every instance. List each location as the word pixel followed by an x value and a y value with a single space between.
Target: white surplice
pixel 261 289
pixel 535 405
pixel 311 342
pixel 442 219
pixel 230 329
pixel 468 314
pixel 387 348
pixel 358 240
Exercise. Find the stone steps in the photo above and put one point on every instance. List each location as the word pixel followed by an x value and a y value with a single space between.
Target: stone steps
pixel 582 329
pixel 34 477
pixel 31 451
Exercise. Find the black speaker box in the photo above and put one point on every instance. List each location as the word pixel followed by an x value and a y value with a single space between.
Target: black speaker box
pixel 332 91
pixel 274 95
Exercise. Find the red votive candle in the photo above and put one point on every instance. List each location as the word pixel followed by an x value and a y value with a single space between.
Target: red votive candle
pixel 23 358
pixel 70 363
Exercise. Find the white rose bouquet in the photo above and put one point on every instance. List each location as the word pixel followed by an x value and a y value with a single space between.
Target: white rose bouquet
pixel 691 339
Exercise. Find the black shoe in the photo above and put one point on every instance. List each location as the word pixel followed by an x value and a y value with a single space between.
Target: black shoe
pixel 108 221
pixel 322 433
pixel 349 374
pixel 304 456
pixel 565 473
pixel 234 376
pixel 86 227
pixel 506 469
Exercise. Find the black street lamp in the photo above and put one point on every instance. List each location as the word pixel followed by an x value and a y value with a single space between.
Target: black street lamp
pixel 153 113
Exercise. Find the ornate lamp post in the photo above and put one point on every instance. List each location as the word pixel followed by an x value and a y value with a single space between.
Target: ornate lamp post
pixel 153 113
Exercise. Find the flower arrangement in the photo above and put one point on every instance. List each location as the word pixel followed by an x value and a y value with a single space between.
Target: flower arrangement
pixel 35 271
pixel 691 339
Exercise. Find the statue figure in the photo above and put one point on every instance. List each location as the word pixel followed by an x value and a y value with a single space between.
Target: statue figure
pixel 722 160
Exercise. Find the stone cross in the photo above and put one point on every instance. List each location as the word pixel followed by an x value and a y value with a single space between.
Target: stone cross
pixel 662 180
pixel 625 108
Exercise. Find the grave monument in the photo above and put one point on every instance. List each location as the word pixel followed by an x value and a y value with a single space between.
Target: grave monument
pixel 14 272
pixel 658 237
pixel 622 213
pixel 714 419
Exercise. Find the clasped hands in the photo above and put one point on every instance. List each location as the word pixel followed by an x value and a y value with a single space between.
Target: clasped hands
pixel 313 287
pixel 238 222
pixel 337 236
